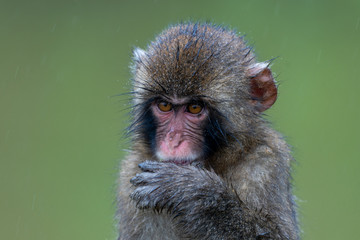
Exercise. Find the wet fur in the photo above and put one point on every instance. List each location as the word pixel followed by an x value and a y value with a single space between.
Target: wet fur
pixel 242 189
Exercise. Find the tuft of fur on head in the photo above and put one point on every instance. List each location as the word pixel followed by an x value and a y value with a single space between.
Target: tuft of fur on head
pixel 201 61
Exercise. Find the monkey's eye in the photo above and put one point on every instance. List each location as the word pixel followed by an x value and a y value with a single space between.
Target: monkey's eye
pixel 194 108
pixel 164 106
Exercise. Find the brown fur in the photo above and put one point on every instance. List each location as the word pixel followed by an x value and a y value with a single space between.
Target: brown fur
pixel 249 171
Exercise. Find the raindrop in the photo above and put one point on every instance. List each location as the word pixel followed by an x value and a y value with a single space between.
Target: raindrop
pixel 355 53
pixel 319 56
pixel 74 19
pixel 53 28
pixel 277 9
pixel 18 226
pixel 16 72
pixel 7 135
pixel 44 59
pixel 33 202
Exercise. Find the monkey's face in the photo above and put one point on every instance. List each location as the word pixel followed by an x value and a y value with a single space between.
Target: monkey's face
pixel 179 129
pixel 196 88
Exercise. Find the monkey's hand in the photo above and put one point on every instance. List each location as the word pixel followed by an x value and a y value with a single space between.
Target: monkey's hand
pixel 167 185
pixel 199 200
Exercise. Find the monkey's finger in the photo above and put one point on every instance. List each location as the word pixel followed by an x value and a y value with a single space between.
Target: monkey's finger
pixel 143 196
pixel 150 166
pixel 141 178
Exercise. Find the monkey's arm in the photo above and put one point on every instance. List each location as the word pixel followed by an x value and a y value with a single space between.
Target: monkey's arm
pixel 202 204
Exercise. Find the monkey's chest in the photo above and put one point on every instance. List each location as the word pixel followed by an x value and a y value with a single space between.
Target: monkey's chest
pixel 158 226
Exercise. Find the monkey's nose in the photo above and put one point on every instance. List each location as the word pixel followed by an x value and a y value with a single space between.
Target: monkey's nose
pixel 174 138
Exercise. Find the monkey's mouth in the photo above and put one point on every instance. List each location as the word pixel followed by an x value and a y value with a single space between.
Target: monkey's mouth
pixel 178 159
pixel 180 162
pixel 196 162
pixel 180 154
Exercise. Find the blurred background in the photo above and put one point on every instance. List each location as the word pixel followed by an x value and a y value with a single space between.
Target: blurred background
pixel 62 63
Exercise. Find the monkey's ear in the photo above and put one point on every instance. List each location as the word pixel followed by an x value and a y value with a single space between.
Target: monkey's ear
pixel 139 54
pixel 262 86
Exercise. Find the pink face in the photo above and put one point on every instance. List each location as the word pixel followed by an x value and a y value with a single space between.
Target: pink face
pixel 179 134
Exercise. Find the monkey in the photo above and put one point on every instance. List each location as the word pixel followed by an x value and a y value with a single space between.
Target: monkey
pixel 204 163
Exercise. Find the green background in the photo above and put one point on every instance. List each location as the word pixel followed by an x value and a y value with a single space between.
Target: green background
pixel 63 62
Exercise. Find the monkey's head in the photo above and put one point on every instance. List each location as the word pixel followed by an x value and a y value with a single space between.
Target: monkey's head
pixel 197 87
